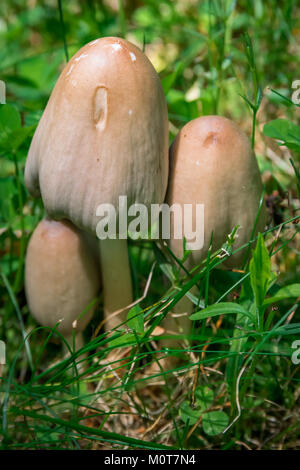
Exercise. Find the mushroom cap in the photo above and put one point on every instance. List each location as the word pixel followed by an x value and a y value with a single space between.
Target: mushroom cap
pixel 104 133
pixel 61 275
pixel 212 163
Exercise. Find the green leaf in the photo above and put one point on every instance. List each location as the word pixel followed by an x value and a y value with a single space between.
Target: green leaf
pixel 287 292
pixel 214 422
pixel 222 308
pixel 207 100
pixel 194 299
pixel 283 99
pixel 297 173
pixel 204 397
pixel 188 414
pixel 167 270
pixel 251 105
pixel 128 339
pixel 169 80
pixel 10 119
pixel 135 319
pixel 260 271
pixel 15 138
pixel 285 131
pixel 8 200
pixel 290 329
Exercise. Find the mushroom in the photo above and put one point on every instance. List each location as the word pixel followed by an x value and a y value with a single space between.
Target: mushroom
pixel 103 134
pixel 61 278
pixel 212 163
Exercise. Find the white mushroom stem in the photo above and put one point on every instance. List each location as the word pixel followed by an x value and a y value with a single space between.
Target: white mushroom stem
pixel 177 322
pixel 116 278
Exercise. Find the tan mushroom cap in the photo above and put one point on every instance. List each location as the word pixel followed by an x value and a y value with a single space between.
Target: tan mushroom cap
pixel 61 276
pixel 104 133
pixel 212 163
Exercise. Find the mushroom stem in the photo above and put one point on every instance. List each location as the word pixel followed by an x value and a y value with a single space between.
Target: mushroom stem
pixel 178 322
pixel 175 323
pixel 116 277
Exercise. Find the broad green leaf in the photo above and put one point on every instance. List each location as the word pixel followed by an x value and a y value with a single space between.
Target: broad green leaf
pixel 285 293
pixel 135 319
pixel 204 397
pixel 285 131
pixel 214 422
pixel 10 119
pixel 260 271
pixel 222 308
pixel 16 138
pixel 188 414
pixel 8 264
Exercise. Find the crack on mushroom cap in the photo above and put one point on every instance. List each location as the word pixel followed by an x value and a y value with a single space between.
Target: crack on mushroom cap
pixel 100 107
pixel 210 139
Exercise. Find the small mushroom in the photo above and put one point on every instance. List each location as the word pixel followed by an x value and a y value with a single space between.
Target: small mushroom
pixel 212 163
pixel 103 134
pixel 61 277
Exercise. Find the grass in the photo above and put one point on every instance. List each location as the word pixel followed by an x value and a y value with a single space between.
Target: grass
pixel 236 386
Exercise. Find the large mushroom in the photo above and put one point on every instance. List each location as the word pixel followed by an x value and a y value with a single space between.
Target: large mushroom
pixel 103 134
pixel 212 163
pixel 61 278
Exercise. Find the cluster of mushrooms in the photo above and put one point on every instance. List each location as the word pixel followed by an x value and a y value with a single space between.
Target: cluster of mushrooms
pixel 104 133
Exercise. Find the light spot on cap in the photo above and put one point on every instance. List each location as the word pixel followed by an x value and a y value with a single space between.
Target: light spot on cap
pixel 82 56
pixel 93 42
pixel 197 163
pixel 116 46
pixel 130 112
pixel 133 57
pixel 70 69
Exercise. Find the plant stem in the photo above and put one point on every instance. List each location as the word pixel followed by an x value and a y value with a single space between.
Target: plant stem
pixel 61 17
pixel 116 278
